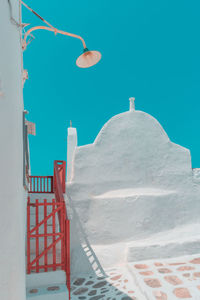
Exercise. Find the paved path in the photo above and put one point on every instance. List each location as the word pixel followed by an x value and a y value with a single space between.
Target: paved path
pixel 167 279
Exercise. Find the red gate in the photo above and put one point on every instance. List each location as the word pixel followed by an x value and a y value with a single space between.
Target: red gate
pixel 48 227
pixel 47 238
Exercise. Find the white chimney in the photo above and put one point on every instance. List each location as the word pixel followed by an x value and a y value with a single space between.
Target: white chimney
pixel 71 145
pixel 132 103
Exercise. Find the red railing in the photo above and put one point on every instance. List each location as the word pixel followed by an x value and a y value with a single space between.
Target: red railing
pixel 49 184
pixel 42 243
pixel 59 190
pixel 41 184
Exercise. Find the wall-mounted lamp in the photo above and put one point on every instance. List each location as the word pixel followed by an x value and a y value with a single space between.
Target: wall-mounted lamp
pixel 85 60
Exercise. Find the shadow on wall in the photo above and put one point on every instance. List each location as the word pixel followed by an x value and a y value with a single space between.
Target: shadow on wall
pixel 89 280
pixel 83 256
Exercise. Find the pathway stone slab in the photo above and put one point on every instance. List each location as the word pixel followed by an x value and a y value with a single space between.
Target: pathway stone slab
pixel 119 284
pixel 169 279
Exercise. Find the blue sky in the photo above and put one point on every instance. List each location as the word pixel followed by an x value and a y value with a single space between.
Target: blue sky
pixel 150 50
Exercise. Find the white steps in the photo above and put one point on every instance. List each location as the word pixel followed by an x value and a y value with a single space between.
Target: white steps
pixel 46 286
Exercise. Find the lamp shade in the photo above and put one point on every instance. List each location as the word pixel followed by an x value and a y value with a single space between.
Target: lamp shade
pixel 88 58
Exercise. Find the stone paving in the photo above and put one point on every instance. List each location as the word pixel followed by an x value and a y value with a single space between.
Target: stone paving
pixel 118 284
pixel 166 279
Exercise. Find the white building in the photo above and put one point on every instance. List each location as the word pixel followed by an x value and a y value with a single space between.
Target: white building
pixel 132 195
pixel 133 191
pixel 12 193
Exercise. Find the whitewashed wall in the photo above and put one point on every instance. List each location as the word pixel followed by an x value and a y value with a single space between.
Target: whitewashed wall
pixel 131 183
pixel 131 150
pixel 12 202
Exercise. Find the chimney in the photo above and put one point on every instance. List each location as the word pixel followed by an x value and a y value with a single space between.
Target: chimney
pixel 71 145
pixel 132 103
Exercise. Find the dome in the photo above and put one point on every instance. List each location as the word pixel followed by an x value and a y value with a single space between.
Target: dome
pixel 131 150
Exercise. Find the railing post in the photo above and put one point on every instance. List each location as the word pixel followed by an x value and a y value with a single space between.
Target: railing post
pixel 60 166
pixel 52 189
pixel 54 238
pixel 45 237
pixel 37 232
pixel 54 176
pixel 64 176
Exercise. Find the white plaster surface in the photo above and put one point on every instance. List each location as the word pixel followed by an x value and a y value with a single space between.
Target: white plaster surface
pixel 71 145
pixel 46 286
pixel 45 279
pixel 12 213
pixel 130 185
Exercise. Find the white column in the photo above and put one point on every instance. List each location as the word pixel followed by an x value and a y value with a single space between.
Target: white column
pixel 132 103
pixel 12 202
pixel 71 145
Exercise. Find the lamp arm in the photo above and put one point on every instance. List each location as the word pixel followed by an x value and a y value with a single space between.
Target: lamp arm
pixel 53 29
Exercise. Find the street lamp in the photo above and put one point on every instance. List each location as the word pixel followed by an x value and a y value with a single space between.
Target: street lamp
pixel 85 60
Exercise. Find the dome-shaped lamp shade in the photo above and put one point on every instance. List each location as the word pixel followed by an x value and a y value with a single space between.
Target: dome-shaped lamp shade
pixel 88 58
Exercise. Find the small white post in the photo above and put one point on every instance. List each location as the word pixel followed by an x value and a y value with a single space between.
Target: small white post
pixel 132 103
pixel 71 145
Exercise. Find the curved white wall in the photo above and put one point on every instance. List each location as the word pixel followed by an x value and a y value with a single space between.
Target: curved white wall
pixel 130 184
pixel 12 202
pixel 132 149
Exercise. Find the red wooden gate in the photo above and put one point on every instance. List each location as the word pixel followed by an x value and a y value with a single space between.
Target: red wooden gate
pixel 46 240
pixel 48 227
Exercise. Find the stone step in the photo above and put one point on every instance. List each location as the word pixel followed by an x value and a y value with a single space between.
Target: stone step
pixel 46 286
pixel 157 250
